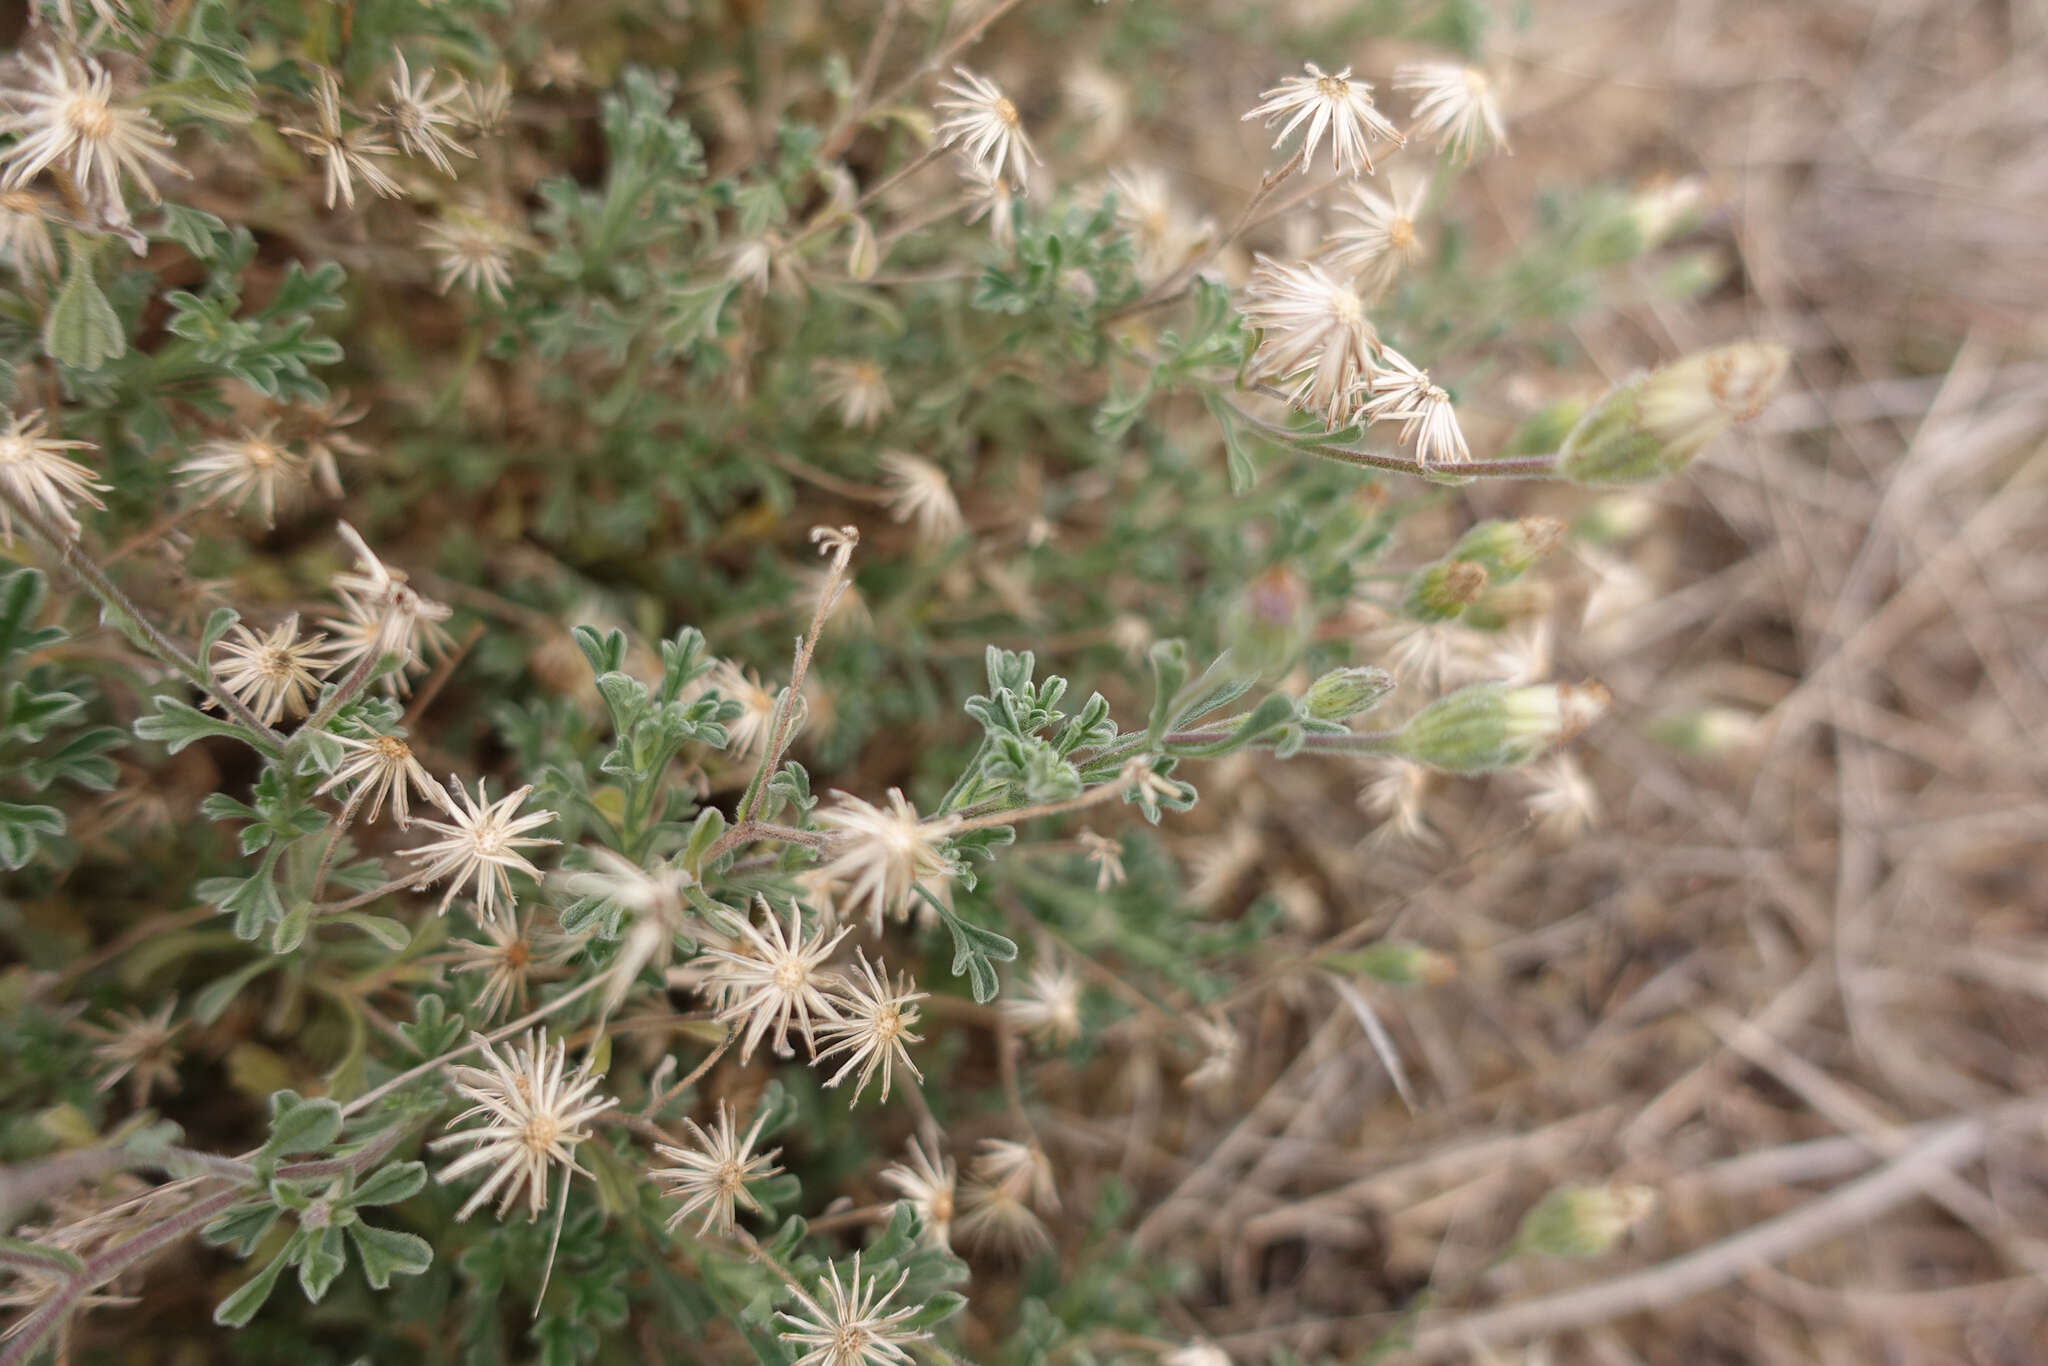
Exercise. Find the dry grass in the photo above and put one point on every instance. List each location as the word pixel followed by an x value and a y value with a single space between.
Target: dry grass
pixel 1798 988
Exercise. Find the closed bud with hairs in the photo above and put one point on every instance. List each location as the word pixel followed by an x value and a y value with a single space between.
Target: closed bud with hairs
pixel 1509 549
pixel 1443 591
pixel 1343 693
pixel 1653 425
pixel 1583 1221
pixel 1490 726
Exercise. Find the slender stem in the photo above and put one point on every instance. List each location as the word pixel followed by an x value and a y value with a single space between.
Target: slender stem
pixel 783 731
pixel 831 217
pixel 1094 796
pixel 151 533
pixel 402 884
pixel 72 557
pixel 747 831
pixel 967 38
pixel 696 1073
pixel 31 1332
pixel 1174 285
pixel 1542 466
pixel 341 823
pixel 369 1098
pixel 864 84
pixel 351 684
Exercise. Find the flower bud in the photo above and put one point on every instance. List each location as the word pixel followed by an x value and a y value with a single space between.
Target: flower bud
pixel 1342 693
pixel 863 257
pixel 1545 429
pixel 1394 962
pixel 1442 591
pixel 1583 1221
pixel 1491 725
pixel 1653 425
pixel 1706 730
pixel 1271 621
pixel 1660 211
pixel 1615 518
pixel 1507 549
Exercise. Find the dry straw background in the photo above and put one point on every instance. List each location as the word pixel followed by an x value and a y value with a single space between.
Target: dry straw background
pixel 1799 989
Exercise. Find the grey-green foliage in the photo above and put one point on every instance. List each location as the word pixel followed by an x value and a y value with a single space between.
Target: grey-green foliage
pixel 44 742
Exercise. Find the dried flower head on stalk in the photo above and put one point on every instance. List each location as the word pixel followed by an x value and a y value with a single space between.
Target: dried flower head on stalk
pixel 421 116
pixel 534 1113
pixel 34 470
pixel 236 470
pixel 872 1027
pixel 273 674
pixel 926 1183
pixel 859 389
pixel 508 956
pixel 481 845
pixel 1456 106
pixel 985 125
pixel 1381 240
pixel 855 1326
pixel 348 153
pixel 66 116
pixel 883 853
pixel 1333 104
pixel 714 1171
pixel 386 768
pixel 776 979
pixel 1313 331
pixel 919 493
pixel 138 1047
pixel 383 615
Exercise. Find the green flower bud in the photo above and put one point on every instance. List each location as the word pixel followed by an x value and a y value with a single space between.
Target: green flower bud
pixel 1617 517
pixel 1546 428
pixel 1508 549
pixel 1342 693
pixel 1659 212
pixel 1705 730
pixel 1652 425
pixel 1442 591
pixel 1583 1221
pixel 1492 725
pixel 1502 605
pixel 1396 962
pixel 1271 621
pixel 863 254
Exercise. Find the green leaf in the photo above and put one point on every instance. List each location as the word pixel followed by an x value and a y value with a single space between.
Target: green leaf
pixel 322 1262
pixel 177 724
pixel 22 829
pixel 241 1228
pixel 386 1252
pixel 1237 455
pixel 202 99
pixel 434 1028
pixel 83 331
pixel 299 1126
pixel 82 328
pixel 291 927
pixel 389 1185
pixel 195 230
pixel 692 312
pixel 21 596
pixel 213 998
pixel 392 934
pixel 238 1308
pixel 39 1256
pixel 973 947
pixel 1169 673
